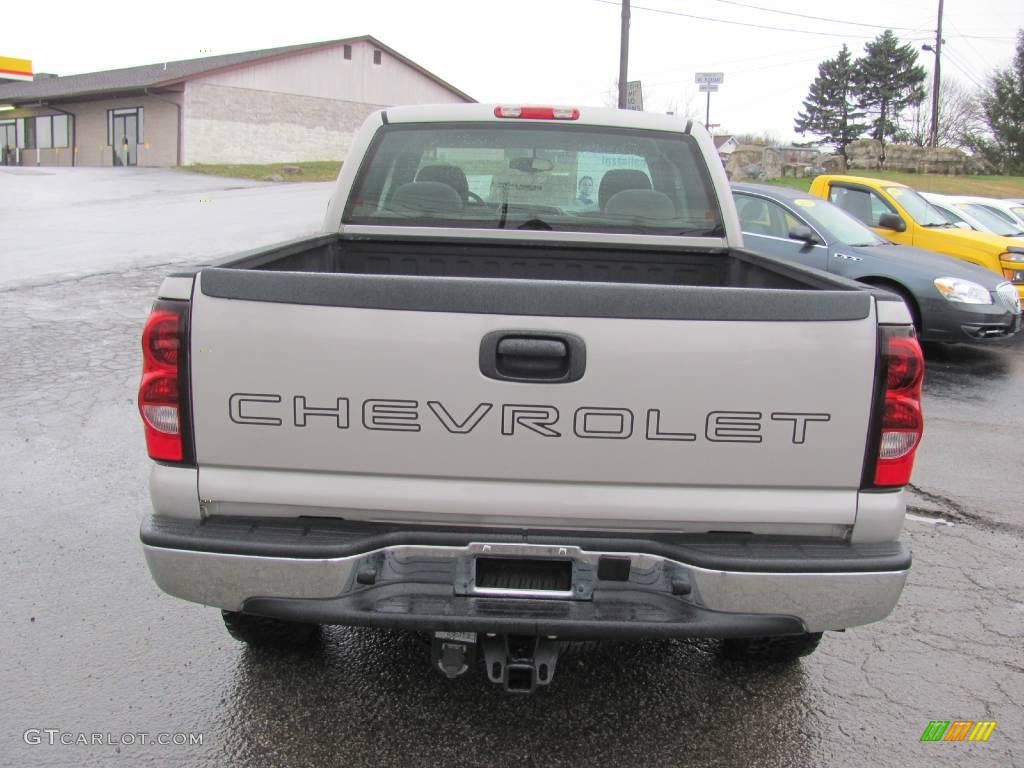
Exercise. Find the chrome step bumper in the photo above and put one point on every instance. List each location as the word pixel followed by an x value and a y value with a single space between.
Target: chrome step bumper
pixel 679 587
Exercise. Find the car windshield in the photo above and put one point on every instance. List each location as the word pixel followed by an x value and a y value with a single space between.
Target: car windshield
pixel 1004 215
pixel 919 209
pixel 562 177
pixel 988 219
pixel 951 215
pixel 844 227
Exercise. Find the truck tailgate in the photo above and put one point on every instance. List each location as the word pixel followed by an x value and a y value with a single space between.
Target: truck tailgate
pixel 379 408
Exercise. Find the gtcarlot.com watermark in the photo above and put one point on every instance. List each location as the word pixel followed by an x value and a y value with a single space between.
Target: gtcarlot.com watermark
pixel 58 737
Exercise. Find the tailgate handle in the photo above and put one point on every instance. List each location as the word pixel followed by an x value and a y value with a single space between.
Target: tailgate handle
pixel 547 358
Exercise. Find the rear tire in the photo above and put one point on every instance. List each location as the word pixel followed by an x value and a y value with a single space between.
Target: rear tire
pixel 782 649
pixel 268 633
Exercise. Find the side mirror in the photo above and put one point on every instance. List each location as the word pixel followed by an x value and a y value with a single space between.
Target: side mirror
pixel 892 221
pixel 803 233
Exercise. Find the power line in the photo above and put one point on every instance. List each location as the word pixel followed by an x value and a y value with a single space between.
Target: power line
pixel 732 72
pixel 820 50
pixel 771 28
pixel 734 23
pixel 973 48
pixel 961 64
pixel 815 18
pixel 853 23
pixel 971 78
pixel 984 37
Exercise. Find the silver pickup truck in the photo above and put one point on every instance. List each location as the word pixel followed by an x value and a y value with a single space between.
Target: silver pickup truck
pixel 528 388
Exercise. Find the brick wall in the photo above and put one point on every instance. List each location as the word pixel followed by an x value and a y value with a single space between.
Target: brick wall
pixel 237 125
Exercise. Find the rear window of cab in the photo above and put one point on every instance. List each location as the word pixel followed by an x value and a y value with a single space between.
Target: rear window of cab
pixel 535 176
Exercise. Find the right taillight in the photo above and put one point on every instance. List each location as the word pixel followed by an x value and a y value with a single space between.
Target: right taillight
pixel 163 391
pixel 902 422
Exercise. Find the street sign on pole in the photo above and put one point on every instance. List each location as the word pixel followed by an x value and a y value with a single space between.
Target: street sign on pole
pixel 709 78
pixel 634 96
pixel 709 82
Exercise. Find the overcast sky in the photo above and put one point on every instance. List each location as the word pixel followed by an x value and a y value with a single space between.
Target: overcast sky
pixel 541 51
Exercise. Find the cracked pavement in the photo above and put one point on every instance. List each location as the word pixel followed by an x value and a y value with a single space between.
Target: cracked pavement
pixel 90 644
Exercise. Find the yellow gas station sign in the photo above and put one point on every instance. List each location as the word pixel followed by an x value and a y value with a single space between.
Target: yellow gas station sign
pixel 15 69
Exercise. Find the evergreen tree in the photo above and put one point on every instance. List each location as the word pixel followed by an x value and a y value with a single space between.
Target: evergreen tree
pixel 888 81
pixel 1003 104
pixel 830 109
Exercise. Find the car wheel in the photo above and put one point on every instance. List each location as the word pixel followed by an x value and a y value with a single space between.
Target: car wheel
pixel 903 293
pixel 264 632
pixel 770 650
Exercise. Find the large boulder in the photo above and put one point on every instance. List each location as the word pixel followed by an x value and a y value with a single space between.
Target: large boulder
pixel 771 164
pixel 902 157
pixel 948 160
pixel 864 154
pixel 867 155
pixel 833 164
pixel 751 162
pixel 910 158
pixel 744 163
pixel 977 165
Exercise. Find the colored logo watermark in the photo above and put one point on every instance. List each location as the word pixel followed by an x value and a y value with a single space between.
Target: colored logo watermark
pixel 958 730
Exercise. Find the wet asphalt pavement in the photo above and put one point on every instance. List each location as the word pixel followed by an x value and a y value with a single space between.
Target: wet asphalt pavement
pixel 88 644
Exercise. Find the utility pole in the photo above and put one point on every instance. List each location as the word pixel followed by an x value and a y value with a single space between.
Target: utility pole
pixel 933 139
pixel 623 54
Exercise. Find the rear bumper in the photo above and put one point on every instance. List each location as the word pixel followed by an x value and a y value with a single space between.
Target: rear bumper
pixel 336 572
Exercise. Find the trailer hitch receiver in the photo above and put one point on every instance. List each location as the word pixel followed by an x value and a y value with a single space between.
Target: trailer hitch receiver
pixel 520 663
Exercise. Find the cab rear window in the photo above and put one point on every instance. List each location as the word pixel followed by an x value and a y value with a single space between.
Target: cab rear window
pixel 529 176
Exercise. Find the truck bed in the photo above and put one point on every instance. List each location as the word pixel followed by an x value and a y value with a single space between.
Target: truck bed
pixel 339 254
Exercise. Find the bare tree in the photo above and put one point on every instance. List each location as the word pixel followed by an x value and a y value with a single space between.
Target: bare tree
pixel 685 106
pixel 961 119
pixel 763 139
pixel 611 95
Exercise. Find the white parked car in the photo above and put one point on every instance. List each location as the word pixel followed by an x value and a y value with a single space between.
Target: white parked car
pixel 974 215
pixel 1010 210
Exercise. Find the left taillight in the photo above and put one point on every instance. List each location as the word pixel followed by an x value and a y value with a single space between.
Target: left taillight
pixel 164 389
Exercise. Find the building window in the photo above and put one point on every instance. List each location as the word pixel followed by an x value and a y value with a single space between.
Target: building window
pixel 60 131
pixel 27 133
pixel 43 132
pixel 124 124
pixel 348 51
pixel 8 135
pixel 377 56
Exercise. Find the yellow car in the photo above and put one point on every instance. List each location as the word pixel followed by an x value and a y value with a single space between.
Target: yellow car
pixel 898 213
